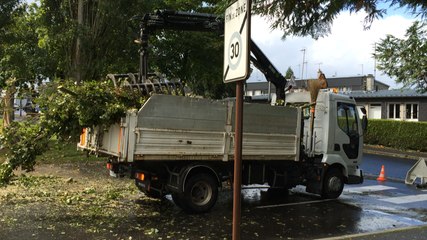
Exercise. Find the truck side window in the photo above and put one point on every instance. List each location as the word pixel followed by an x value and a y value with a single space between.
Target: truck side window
pixel 347 118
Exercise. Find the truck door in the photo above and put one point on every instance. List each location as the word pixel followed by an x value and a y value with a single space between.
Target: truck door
pixel 347 138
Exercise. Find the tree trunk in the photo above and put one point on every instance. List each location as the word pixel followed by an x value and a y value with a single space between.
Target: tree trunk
pixel 8 110
pixel 78 68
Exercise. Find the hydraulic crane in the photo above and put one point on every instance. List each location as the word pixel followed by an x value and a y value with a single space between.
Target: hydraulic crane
pixel 200 22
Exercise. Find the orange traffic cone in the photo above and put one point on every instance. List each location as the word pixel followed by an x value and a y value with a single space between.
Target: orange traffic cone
pixel 381 177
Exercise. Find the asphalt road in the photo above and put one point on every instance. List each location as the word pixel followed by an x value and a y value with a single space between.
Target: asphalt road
pixel 395 168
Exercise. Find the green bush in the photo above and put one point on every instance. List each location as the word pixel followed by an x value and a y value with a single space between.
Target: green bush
pixel 397 134
pixel 23 141
pixel 64 112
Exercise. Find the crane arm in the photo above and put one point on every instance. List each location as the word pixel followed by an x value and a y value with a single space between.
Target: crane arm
pixel 202 22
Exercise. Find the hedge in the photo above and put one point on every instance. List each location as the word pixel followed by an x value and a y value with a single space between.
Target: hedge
pixel 397 134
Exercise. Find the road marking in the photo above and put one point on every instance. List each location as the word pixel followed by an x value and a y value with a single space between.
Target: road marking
pixel 297 203
pixel 406 199
pixel 374 188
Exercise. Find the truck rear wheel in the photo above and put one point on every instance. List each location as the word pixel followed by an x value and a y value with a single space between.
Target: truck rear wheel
pixel 200 193
pixel 333 184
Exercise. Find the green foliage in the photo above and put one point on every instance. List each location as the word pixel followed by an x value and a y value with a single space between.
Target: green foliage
pixel 64 114
pixel 20 56
pixel 6 173
pixel 405 59
pixel 23 141
pixel 289 73
pixel 6 10
pixel 91 103
pixel 397 134
pixel 195 58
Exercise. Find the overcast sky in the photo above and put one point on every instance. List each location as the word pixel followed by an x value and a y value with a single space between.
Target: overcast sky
pixel 346 51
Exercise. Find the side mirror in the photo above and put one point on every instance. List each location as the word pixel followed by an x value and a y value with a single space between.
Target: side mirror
pixel 364 119
pixel 364 123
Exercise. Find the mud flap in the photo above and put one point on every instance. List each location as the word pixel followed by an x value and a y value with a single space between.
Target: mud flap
pixel 315 184
pixel 314 187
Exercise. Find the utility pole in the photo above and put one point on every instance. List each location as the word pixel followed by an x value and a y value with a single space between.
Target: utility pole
pixel 303 62
pixel 375 60
pixel 319 65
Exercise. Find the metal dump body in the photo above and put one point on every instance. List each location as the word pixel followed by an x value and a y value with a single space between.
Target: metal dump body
pixel 183 128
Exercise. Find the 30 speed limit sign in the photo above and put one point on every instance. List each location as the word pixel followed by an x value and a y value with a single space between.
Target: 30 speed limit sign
pixel 236 41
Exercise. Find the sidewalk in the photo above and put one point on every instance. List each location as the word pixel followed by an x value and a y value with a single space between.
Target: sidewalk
pixel 409 233
pixel 381 150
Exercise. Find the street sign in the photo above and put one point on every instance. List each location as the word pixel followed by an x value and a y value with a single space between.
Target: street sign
pixel 236 41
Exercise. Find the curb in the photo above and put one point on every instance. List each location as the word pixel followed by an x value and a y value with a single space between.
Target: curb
pixel 370 234
pixel 391 152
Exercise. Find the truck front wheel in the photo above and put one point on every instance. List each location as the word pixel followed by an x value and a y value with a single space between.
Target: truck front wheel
pixel 200 193
pixel 333 184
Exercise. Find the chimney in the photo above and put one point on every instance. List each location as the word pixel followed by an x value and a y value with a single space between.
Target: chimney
pixel 370 82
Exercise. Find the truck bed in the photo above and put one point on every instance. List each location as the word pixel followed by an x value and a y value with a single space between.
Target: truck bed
pixel 183 128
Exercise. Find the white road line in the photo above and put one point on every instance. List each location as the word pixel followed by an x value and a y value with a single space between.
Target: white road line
pixel 297 203
pixel 406 199
pixel 374 188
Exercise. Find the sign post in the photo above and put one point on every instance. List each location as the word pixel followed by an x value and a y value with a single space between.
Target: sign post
pixel 236 69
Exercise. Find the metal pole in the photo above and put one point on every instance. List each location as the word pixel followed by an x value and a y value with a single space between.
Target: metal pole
pixel 237 161
pixel 303 62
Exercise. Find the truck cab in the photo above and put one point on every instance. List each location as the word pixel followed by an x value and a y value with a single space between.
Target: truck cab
pixel 336 141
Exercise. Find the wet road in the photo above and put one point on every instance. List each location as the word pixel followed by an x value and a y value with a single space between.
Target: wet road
pixel 370 207
pixel 395 168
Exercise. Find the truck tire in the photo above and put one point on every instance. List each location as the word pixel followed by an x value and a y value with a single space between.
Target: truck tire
pixel 333 184
pixel 200 193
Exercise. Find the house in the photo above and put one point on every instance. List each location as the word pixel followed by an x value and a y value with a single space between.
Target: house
pixel 380 103
pixel 342 84
pixel 405 104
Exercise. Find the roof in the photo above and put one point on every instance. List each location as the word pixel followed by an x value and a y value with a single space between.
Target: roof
pixel 395 93
pixel 333 82
pixel 336 82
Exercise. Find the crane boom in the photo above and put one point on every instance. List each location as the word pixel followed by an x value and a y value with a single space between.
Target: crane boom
pixel 202 22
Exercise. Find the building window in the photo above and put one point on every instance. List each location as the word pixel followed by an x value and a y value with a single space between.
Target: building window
pixel 394 111
pixel 411 111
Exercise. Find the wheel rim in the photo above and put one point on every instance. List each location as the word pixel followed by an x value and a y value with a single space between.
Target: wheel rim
pixel 334 184
pixel 201 193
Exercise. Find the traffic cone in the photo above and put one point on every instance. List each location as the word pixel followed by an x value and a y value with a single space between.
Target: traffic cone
pixel 381 177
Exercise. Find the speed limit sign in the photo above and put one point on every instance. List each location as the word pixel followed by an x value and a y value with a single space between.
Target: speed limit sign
pixel 236 41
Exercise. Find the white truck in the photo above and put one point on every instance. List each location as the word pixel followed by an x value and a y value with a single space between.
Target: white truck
pixel 184 146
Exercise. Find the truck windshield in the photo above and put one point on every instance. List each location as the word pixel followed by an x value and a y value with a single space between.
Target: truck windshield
pixel 347 118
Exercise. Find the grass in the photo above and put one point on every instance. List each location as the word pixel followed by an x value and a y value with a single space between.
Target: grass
pixel 59 152
pixel 65 152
